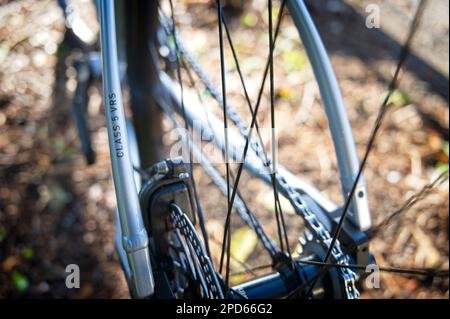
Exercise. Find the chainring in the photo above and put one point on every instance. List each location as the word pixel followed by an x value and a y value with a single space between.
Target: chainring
pixel 330 286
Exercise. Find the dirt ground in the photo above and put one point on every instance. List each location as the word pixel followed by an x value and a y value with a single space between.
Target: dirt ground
pixel 55 210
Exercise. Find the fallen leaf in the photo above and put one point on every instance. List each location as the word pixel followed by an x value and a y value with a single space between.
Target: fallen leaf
pixel 267 200
pixel 294 60
pixel 10 263
pixel 243 243
pixel 399 98
pixel 20 281
pixel 27 253
pixel 249 19
pixel 427 255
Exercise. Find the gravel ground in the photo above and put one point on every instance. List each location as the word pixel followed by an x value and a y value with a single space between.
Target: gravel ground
pixel 55 210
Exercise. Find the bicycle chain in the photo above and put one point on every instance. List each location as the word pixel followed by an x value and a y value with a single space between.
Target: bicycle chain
pixel 319 231
pixel 182 222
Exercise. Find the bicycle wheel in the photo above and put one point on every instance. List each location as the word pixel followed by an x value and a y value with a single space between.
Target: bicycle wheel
pixel 335 245
pixel 339 124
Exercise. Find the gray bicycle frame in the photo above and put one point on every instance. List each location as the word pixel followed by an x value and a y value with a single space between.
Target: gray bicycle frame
pixel 338 121
pixel 132 238
pixel 131 226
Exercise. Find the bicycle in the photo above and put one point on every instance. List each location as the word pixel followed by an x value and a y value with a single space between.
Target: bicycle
pixel 162 253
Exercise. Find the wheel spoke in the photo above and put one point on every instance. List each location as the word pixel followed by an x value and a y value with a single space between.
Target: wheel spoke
pixel 247 139
pixel 410 202
pixel 226 240
pixel 179 63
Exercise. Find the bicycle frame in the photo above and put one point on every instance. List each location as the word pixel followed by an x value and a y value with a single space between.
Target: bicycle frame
pixel 337 115
pixel 131 235
pixel 134 234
